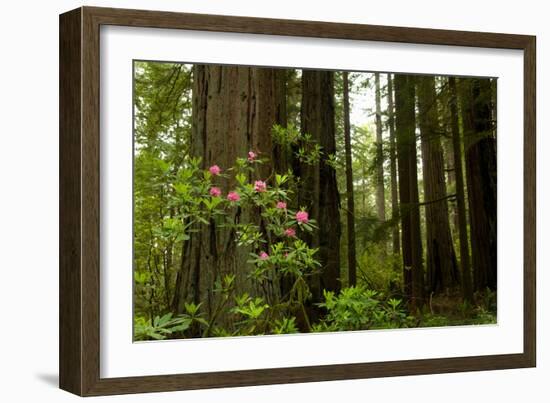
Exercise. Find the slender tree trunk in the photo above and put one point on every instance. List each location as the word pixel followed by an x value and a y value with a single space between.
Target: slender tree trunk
pixel 352 259
pixel 364 189
pixel 481 177
pixel 393 170
pixel 234 109
pixel 460 199
pixel 380 197
pixel 319 190
pixel 441 265
pixel 281 156
pixel 451 176
pixel 448 156
pixel 413 274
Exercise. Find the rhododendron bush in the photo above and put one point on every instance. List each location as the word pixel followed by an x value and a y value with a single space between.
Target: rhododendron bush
pixel 212 197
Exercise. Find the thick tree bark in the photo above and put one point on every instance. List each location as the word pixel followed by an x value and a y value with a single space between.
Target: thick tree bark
pixel 460 198
pixel 441 259
pixel 352 254
pixel 319 190
pixel 481 177
pixel 393 170
pixel 380 197
pixel 413 273
pixel 234 109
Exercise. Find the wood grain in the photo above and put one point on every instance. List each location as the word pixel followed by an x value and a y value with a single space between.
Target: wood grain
pixel 79 200
pixel 70 187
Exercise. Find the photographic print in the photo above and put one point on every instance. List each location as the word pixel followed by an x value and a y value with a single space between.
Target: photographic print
pixel 286 200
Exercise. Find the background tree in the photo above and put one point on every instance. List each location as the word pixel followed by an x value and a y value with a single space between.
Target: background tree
pixel 319 190
pixel 441 259
pixel 413 273
pixel 481 168
pixel 350 214
pixel 380 197
pixel 460 198
pixel 393 170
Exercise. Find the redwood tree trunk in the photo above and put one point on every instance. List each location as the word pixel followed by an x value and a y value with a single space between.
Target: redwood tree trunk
pixel 393 170
pixel 441 262
pixel 319 190
pixel 460 198
pixel 352 254
pixel 234 109
pixel 481 177
pixel 413 274
pixel 380 197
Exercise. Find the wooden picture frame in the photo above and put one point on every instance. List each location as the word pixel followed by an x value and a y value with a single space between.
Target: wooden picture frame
pixel 79 201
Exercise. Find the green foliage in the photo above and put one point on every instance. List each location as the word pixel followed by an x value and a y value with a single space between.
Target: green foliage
pixel 307 150
pixel 285 326
pixel 162 92
pixel 357 308
pixel 161 327
pixel 286 136
pixel 479 317
pixel 162 100
pixel 251 313
pixel 380 270
pixel 443 310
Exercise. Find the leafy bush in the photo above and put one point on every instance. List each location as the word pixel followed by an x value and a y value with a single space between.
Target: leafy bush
pixel 285 326
pixel 357 308
pixel 160 328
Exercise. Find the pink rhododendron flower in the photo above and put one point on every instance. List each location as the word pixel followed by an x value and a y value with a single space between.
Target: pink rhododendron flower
pixel 233 196
pixel 260 186
pixel 302 217
pixel 290 232
pixel 215 170
pixel 216 192
pixel 281 205
pixel 264 256
pixel 251 156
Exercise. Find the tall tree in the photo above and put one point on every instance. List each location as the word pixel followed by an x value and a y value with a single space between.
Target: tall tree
pixel 234 109
pixel 352 254
pixel 460 198
pixel 481 177
pixel 380 197
pixel 281 155
pixel 405 125
pixel 393 169
pixel 319 190
pixel 443 103
pixel 441 259
pixel 449 160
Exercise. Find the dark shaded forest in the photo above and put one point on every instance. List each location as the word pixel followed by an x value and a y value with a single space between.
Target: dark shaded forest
pixel 276 201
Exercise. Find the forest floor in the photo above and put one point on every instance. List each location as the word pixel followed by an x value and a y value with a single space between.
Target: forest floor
pixel 445 311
